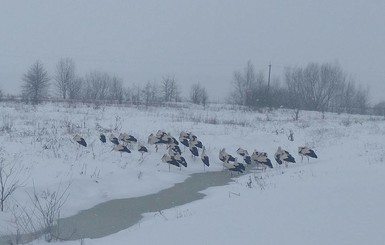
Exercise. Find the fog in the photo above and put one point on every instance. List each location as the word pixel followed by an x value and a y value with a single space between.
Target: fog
pixel 195 41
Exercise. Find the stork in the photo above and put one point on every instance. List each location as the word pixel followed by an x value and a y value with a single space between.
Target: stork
pixel 233 165
pixel 121 148
pixel 142 149
pixel 177 156
pixel 155 140
pixel 204 158
pixel 184 138
pixel 113 139
pixel 306 151
pixel 102 138
pixel 283 156
pixel 80 140
pixel 126 138
pixel 175 148
pixel 196 143
pixel 194 151
pixel 245 155
pixel 181 160
pixel 261 159
pixel 223 155
pixel 171 161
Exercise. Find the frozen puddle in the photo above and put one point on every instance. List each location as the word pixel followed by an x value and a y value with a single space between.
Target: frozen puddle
pixel 119 214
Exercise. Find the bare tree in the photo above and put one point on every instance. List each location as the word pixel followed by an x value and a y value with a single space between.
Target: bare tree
pixel 243 85
pixel 97 86
pixel 250 88
pixel 315 86
pixel 116 90
pixel 36 83
pixel 198 94
pixel 170 89
pixel 195 93
pixel 150 94
pixel 75 88
pixel 65 76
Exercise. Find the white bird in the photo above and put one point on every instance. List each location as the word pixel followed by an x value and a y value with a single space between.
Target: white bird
pixel 113 139
pixel 233 165
pixel 121 148
pixel 283 156
pixel 223 155
pixel 306 151
pixel 184 138
pixel 80 140
pixel 205 158
pixel 261 159
pixel 171 161
pixel 102 138
pixel 193 149
pixel 126 138
pixel 142 149
pixel 155 140
pixel 242 152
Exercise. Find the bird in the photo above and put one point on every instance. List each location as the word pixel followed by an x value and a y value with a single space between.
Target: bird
pixel 184 138
pixel 223 155
pixel 245 155
pixel 283 156
pixel 242 152
pixel 126 138
pixel 142 149
pixel 193 149
pixel 233 165
pixel 121 148
pixel 155 140
pixel 306 151
pixel 102 138
pixel 80 140
pixel 113 139
pixel 181 160
pixel 177 156
pixel 196 143
pixel 261 159
pixel 205 158
pixel 171 161
pixel 175 148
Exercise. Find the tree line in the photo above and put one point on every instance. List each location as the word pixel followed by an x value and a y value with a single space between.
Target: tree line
pixel 99 87
pixel 319 87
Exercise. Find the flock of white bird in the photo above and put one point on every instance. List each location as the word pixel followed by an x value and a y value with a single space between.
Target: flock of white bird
pixel 174 156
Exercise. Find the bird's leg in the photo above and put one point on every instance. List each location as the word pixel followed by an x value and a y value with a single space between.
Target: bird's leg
pixel 156 148
pixel 168 167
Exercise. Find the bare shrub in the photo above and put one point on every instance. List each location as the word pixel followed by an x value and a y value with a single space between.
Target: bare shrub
pixel 10 178
pixel 47 206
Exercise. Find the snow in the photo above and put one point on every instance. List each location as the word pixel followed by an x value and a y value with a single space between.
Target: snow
pixel 335 199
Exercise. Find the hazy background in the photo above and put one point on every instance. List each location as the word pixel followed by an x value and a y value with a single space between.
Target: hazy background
pixel 197 41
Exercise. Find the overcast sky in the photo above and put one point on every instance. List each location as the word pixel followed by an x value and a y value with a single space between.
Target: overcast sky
pixel 197 41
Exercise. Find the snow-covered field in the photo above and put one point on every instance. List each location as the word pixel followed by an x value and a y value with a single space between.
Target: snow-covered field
pixel 335 199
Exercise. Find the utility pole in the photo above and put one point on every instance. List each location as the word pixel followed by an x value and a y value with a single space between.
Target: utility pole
pixel 268 88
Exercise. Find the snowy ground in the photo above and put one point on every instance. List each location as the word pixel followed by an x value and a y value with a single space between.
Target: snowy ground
pixel 335 199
